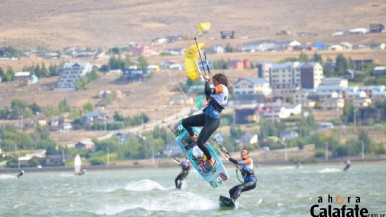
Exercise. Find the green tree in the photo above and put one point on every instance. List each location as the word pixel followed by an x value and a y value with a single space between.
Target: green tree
pixel 368 69
pixel 236 132
pixel 381 80
pixel 220 64
pixel 303 57
pixel 128 61
pixel 105 68
pixel 1 73
pixel 52 111
pixel 116 63
pixel 81 83
pixel 270 128
pixel 229 48
pixel 88 107
pixel 341 65
pixel 63 106
pixel 35 108
pixel 18 108
pixel 9 75
pixel 118 117
pixel 350 63
pixel 317 58
pixel 115 50
pixel 381 105
pixel 37 71
pixel 348 110
pixel 365 140
pixel 142 62
pixel 43 70
pixel 53 70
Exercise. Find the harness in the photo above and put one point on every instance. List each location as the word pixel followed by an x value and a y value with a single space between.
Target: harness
pixel 245 173
pixel 215 105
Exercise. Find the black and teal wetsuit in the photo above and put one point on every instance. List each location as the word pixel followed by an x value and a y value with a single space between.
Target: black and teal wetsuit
pixel 246 168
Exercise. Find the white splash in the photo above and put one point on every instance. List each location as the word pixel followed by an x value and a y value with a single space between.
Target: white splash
pixel 330 170
pixel 145 185
pixel 7 177
pixel 163 203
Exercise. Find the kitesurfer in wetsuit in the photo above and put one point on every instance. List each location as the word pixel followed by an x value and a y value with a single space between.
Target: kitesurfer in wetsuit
pixel 246 168
pixel 347 162
pixel 185 167
pixel 217 97
pixel 21 172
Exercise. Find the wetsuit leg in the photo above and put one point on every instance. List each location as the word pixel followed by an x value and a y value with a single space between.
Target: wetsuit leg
pixel 211 124
pixel 186 173
pixel 193 121
pixel 235 192
pixel 178 180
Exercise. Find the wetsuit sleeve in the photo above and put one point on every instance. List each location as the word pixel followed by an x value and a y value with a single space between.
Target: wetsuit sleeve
pixel 233 160
pixel 208 89
pixel 216 90
pixel 240 162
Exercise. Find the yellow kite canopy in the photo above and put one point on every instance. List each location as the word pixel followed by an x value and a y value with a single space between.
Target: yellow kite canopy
pixel 191 61
pixel 204 27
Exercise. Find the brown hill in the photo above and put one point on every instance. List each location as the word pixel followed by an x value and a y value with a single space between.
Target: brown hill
pixel 97 23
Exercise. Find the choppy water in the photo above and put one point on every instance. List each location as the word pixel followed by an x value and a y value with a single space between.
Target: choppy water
pixel 281 191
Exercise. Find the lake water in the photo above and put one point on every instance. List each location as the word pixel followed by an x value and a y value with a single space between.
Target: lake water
pixel 281 191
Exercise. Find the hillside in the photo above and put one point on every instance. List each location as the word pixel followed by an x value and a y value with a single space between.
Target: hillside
pixel 97 23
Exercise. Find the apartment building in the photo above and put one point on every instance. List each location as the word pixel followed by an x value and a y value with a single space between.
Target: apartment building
pixel 71 74
pixel 286 78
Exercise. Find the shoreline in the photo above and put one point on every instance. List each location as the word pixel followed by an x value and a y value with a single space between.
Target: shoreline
pixel 170 165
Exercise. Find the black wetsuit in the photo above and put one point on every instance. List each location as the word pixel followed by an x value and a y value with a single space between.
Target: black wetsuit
pixel 249 180
pixel 20 174
pixel 209 126
pixel 184 173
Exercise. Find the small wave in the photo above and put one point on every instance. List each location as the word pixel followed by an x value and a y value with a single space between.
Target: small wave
pixel 115 209
pixel 375 193
pixel 330 170
pixel 145 185
pixel 168 203
pixel 165 203
pixel 286 168
pixel 65 175
pixel 7 177
pixel 111 189
pixel 18 205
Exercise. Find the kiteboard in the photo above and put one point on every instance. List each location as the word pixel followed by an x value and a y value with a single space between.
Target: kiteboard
pixel 226 202
pixel 214 177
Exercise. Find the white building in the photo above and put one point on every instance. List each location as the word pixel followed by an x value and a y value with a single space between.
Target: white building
pixel 370 90
pixel 341 82
pixel 218 49
pixel 250 90
pixel 252 86
pixel 71 74
pixel 274 112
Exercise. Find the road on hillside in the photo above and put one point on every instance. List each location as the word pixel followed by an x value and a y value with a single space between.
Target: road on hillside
pixel 151 125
